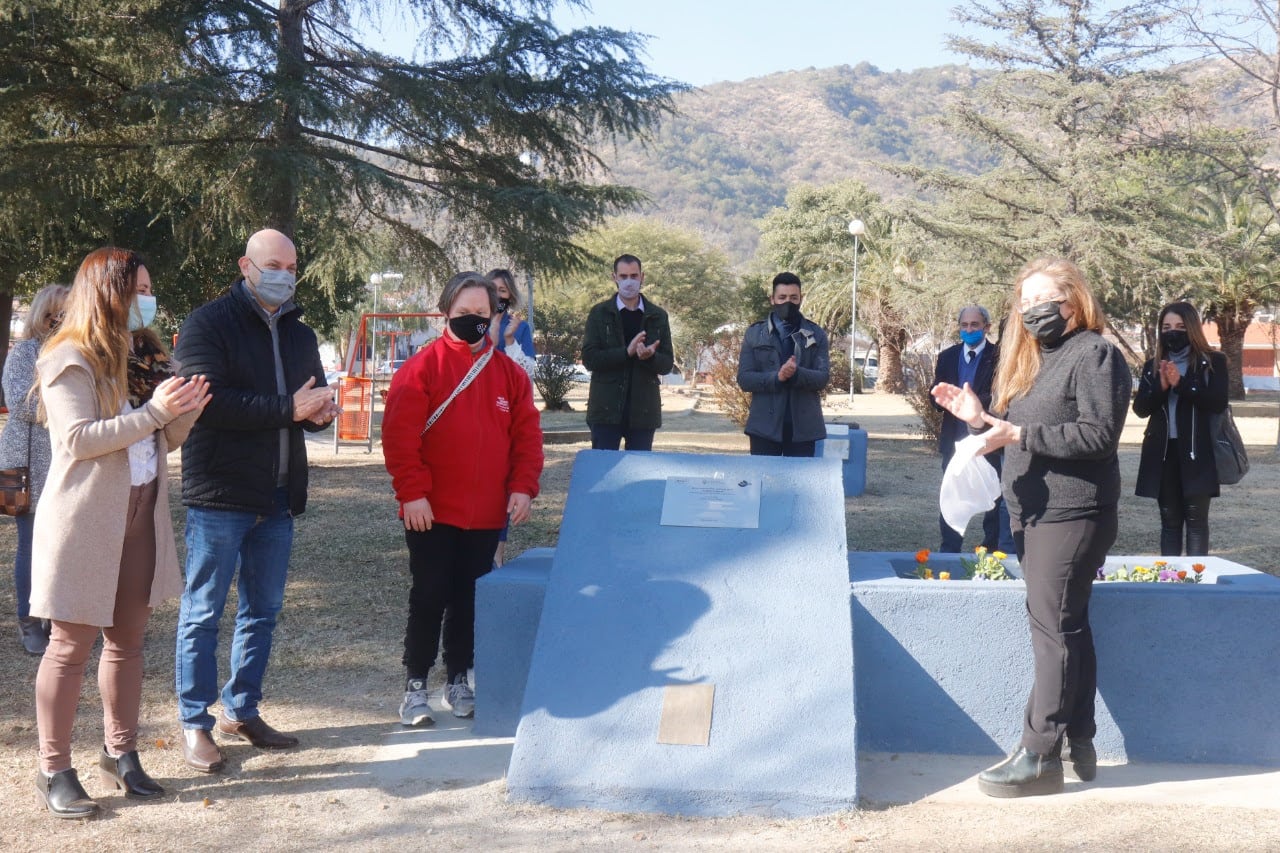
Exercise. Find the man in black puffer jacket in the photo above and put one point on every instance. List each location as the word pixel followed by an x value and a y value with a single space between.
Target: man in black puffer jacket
pixel 244 478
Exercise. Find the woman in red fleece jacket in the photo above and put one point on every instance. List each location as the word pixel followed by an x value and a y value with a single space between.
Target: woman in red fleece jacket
pixel 457 482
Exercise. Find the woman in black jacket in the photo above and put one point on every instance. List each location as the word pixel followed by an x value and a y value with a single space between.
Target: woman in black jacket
pixel 1179 390
pixel 1064 392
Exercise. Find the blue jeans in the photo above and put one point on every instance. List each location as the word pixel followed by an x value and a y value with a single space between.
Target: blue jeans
pixel 22 562
pixel 219 541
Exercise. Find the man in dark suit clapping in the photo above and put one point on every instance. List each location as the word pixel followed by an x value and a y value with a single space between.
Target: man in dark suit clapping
pixel 971 361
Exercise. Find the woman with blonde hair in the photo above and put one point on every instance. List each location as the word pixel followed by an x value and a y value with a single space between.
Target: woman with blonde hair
pixel 25 443
pixel 1064 394
pixel 1179 390
pixel 104 547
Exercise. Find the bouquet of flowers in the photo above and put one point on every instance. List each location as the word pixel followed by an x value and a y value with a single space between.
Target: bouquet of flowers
pixel 1159 572
pixel 986 565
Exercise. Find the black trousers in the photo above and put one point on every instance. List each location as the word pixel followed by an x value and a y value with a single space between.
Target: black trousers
pixel 1178 510
pixel 1059 562
pixel 610 436
pixel 444 562
pixel 787 447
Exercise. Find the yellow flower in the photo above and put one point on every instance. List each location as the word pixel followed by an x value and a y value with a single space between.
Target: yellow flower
pixel 928 574
pixel 999 555
pixel 944 576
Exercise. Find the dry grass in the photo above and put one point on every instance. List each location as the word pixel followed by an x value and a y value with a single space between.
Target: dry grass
pixel 335 679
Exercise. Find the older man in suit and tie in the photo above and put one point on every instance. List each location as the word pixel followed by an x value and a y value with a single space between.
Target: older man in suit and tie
pixel 971 361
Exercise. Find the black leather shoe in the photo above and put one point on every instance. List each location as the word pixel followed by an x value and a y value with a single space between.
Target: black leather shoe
pixel 1023 774
pixel 62 795
pixel 1084 758
pixel 127 775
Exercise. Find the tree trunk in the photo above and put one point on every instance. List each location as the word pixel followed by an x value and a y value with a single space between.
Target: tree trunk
pixel 6 315
pixel 893 340
pixel 1231 327
pixel 282 162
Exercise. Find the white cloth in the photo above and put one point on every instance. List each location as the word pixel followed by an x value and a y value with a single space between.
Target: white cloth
pixel 969 485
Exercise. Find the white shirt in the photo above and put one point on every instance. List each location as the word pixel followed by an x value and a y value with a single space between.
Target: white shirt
pixel 142 455
pixel 977 351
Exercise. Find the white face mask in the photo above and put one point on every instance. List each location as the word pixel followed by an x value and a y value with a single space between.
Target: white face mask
pixel 629 288
pixel 142 312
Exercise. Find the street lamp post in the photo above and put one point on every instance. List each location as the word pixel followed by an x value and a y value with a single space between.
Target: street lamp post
pixel 857 229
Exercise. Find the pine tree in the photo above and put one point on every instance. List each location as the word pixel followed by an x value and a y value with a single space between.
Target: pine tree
pixel 181 126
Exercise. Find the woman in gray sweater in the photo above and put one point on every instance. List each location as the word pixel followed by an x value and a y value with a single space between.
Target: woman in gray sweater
pixel 26 443
pixel 1065 393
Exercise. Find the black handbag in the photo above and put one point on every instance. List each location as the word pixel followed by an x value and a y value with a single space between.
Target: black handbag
pixel 1228 448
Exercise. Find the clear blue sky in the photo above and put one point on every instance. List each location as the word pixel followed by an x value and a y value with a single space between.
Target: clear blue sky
pixel 707 41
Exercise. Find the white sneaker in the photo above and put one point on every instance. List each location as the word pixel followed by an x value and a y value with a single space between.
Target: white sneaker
pixel 414 710
pixel 458 697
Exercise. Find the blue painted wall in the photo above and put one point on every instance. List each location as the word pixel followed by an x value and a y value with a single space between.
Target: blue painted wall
pixel 1185 673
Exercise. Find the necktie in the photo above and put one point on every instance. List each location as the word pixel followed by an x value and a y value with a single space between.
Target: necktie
pixel 968 356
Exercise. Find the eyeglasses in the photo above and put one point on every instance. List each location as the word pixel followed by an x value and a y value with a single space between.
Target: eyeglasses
pixel 50 317
pixel 1028 304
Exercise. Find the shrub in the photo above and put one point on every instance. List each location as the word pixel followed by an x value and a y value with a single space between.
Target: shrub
pixel 732 400
pixel 559 338
pixel 918 396
pixel 839 383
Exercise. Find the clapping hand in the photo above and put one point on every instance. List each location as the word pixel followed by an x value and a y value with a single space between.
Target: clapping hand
pixel 177 395
pixel 309 401
pixel 1169 375
pixel 962 403
pixel 787 370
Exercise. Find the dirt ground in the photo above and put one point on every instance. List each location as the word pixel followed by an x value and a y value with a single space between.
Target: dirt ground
pixel 360 781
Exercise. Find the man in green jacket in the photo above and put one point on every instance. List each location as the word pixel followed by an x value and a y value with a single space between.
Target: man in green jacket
pixel 627 346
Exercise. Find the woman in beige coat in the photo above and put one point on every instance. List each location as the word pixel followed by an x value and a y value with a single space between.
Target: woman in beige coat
pixel 104 549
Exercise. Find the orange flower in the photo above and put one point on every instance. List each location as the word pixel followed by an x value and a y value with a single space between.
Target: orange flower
pixel 1160 564
pixel 944 576
pixel 922 556
pixel 1182 574
pixel 1197 567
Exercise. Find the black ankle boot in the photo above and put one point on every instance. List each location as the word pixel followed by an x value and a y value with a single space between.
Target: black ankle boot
pixel 1084 758
pixel 1023 774
pixel 62 795
pixel 126 774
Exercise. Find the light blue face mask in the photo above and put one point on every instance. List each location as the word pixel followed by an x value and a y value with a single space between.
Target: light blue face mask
pixel 142 312
pixel 274 287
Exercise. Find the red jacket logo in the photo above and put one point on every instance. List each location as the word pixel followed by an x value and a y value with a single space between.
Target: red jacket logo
pixel 503 405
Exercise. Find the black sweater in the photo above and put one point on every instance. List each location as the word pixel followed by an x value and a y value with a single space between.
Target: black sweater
pixel 1065 466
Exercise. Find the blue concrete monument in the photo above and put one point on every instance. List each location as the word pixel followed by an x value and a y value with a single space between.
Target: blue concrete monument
pixel 701 666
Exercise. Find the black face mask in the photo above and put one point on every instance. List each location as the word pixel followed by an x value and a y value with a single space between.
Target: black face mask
pixel 788 313
pixel 469 327
pixel 1175 340
pixel 1045 322
pixel 503 305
